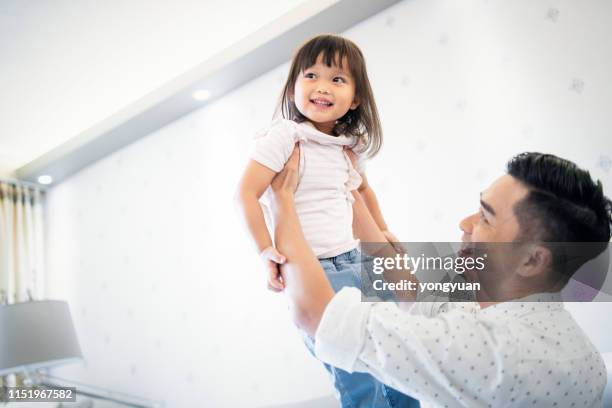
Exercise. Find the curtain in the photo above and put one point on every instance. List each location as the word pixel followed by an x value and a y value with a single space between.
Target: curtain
pixel 21 252
pixel 21 243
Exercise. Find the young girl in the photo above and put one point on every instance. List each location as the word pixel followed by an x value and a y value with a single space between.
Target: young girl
pixel 326 106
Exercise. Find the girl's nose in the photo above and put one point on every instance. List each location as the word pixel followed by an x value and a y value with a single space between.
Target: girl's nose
pixel 323 91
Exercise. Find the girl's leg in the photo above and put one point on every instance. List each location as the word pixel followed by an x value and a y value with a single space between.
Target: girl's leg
pixel 384 395
pixel 354 390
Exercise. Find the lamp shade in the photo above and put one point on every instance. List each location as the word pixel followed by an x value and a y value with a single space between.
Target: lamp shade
pixel 36 335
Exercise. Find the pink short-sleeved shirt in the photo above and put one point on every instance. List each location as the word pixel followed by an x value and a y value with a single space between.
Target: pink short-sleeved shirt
pixel 323 199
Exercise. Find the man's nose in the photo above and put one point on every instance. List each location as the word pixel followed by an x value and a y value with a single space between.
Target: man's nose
pixel 467 224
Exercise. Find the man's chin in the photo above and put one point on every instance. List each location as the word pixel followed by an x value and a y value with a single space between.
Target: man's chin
pixel 466 250
pixel 471 276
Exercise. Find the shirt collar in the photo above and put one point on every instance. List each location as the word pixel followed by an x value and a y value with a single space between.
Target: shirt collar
pixel 534 303
pixel 315 135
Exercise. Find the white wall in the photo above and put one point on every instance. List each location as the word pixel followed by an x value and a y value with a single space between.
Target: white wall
pixel 167 293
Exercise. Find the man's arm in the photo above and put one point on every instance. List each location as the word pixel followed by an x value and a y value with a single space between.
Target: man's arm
pixel 306 285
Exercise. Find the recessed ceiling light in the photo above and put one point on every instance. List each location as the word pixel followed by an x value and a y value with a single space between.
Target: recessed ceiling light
pixel 201 94
pixel 45 179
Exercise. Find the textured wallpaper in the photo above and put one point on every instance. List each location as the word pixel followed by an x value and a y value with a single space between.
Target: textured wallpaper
pixel 167 292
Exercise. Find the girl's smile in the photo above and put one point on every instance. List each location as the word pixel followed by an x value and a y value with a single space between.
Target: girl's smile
pixel 321 102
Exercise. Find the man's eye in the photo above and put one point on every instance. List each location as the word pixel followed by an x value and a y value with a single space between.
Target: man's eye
pixel 482 217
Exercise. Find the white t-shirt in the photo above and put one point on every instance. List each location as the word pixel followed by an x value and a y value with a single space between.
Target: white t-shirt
pixel 323 197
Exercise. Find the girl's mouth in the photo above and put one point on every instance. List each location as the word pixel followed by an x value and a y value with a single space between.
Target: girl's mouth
pixel 321 102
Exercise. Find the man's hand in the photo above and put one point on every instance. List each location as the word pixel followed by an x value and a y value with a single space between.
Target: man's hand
pixel 273 259
pixel 392 239
pixel 285 183
pixel 283 186
pixel 352 157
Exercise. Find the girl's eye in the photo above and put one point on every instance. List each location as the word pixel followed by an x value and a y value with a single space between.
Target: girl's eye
pixel 339 79
pixel 309 75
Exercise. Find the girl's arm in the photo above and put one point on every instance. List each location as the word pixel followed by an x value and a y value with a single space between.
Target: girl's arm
pixel 371 203
pixel 255 180
pixel 364 226
pixel 369 198
pixel 377 244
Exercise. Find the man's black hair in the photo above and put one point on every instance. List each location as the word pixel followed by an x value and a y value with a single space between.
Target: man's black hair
pixel 564 204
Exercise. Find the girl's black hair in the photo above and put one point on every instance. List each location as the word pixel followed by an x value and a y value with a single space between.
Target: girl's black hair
pixel 362 122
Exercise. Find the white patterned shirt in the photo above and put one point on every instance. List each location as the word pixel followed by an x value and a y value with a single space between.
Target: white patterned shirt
pixel 519 354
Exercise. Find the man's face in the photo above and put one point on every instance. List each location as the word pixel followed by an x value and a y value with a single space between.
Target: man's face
pixel 495 222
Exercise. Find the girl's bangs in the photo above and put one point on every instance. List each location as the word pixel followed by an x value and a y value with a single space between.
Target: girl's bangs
pixel 332 51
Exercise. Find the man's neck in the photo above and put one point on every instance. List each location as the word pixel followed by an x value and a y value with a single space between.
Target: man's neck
pixel 484 305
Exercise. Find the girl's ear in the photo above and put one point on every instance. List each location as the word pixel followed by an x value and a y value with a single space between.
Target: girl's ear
pixel 355 104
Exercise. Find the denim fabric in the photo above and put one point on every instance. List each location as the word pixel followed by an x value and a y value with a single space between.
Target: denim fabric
pixel 356 390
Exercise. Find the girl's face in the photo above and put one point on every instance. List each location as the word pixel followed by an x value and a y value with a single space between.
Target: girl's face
pixel 324 94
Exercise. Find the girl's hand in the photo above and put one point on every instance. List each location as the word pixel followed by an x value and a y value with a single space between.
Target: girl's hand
pixel 272 258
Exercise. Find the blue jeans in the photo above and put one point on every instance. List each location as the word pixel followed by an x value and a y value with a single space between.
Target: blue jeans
pixel 356 390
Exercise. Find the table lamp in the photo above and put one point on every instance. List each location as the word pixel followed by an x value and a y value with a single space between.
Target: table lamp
pixel 36 335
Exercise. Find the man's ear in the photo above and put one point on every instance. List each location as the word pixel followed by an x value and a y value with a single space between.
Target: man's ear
pixel 536 261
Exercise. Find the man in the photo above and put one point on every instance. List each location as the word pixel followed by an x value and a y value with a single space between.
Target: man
pixel 487 353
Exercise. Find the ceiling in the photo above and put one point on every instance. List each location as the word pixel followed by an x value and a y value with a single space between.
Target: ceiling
pixel 67 66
